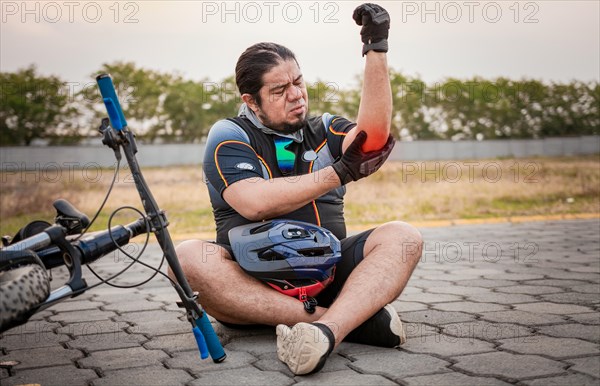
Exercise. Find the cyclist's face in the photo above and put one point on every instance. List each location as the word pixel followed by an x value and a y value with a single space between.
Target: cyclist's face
pixel 284 99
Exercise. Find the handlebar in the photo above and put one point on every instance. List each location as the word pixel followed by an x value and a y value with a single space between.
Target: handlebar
pixel 95 245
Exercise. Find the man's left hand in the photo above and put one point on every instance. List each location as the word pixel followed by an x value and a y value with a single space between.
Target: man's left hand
pixel 375 22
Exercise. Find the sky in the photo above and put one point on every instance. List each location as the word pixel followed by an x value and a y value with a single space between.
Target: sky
pixel 548 40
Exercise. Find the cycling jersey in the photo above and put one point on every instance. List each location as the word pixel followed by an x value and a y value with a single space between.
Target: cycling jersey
pixel 241 147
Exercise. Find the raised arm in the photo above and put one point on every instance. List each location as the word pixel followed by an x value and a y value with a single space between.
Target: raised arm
pixel 375 111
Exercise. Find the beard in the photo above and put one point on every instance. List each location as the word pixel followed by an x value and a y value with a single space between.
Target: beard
pixel 284 127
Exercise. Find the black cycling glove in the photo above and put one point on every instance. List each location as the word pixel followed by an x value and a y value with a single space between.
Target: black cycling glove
pixel 376 24
pixel 356 164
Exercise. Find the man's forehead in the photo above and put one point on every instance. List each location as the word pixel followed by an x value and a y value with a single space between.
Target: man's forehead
pixel 283 73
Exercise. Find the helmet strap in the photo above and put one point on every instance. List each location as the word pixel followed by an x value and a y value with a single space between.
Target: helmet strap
pixel 310 303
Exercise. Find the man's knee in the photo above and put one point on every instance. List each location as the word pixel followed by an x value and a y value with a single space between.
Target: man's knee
pixel 192 253
pixel 404 237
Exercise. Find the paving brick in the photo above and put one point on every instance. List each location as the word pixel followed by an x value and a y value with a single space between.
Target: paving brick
pixel 509 366
pixel 452 379
pixel 155 323
pixel 487 283
pixel 571 379
pixel 122 307
pixel 82 316
pixel 246 376
pixel 172 343
pixel 552 308
pixel 587 288
pixel 33 327
pixel 501 298
pixel 92 328
pixel 351 350
pixel 423 283
pixel 145 316
pixel 191 362
pixel 587 318
pixel 459 290
pixel 522 317
pixel 587 268
pixel 552 347
pixel 397 365
pixel 402 306
pixel 573 330
pixel 470 307
pixel 477 271
pixel 42 357
pixel 446 345
pixel 481 329
pixel 159 327
pixel 517 276
pixel 256 345
pixel 589 366
pixel 108 341
pixel 270 362
pixel 436 317
pixel 561 274
pixel 530 289
pixel 76 305
pixel 412 290
pixel 567 284
pixel 52 376
pixel 153 375
pixel 123 358
pixel 34 340
pixel 573 298
pixel 429 298
pixel 345 377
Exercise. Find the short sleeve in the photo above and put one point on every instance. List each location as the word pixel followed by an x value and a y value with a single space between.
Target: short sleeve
pixel 228 156
pixel 337 127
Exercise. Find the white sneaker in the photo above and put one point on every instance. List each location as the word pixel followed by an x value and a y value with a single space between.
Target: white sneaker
pixel 304 348
pixel 384 329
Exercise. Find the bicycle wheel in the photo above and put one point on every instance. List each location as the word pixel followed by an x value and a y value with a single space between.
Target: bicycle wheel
pixel 21 290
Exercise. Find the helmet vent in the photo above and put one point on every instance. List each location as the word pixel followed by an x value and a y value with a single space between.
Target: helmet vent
pixel 263 228
pixel 270 255
pixel 312 252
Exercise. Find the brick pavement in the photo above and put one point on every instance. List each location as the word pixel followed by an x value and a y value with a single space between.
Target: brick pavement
pixel 489 304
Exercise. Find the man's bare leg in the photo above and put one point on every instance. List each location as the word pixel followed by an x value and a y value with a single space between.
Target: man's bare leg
pixel 391 252
pixel 227 293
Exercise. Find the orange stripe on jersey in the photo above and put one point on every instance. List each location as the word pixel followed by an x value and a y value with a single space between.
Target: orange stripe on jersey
pixel 314 204
pixel 333 131
pixel 241 143
pixel 310 167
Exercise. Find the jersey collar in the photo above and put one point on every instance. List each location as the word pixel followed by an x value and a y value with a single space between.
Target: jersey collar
pixel 245 111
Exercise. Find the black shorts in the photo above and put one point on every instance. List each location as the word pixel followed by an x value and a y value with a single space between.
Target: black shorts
pixel 352 255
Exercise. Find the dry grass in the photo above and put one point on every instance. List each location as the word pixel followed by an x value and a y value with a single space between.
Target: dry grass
pixel 409 191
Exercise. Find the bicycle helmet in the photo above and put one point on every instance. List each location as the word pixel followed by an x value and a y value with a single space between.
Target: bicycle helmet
pixel 294 257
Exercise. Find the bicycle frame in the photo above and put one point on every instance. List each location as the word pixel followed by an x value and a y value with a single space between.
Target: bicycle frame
pixel 119 137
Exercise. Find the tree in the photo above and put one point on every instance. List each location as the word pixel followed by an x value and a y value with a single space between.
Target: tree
pixel 33 106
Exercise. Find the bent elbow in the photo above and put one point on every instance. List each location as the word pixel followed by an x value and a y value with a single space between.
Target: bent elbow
pixel 376 139
pixel 252 212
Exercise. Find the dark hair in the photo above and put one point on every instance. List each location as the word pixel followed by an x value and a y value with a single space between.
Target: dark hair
pixel 256 61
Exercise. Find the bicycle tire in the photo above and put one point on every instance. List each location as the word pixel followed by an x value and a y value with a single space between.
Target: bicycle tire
pixel 21 290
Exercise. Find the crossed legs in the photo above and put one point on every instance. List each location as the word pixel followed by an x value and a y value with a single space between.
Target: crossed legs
pixel 391 253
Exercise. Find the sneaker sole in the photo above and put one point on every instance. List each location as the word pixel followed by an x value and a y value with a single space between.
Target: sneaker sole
pixel 396 324
pixel 302 348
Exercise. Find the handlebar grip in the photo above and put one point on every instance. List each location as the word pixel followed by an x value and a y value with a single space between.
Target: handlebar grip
pixel 212 340
pixel 109 96
pixel 201 342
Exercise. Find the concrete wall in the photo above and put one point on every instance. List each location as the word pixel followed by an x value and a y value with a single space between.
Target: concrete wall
pixel 79 157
